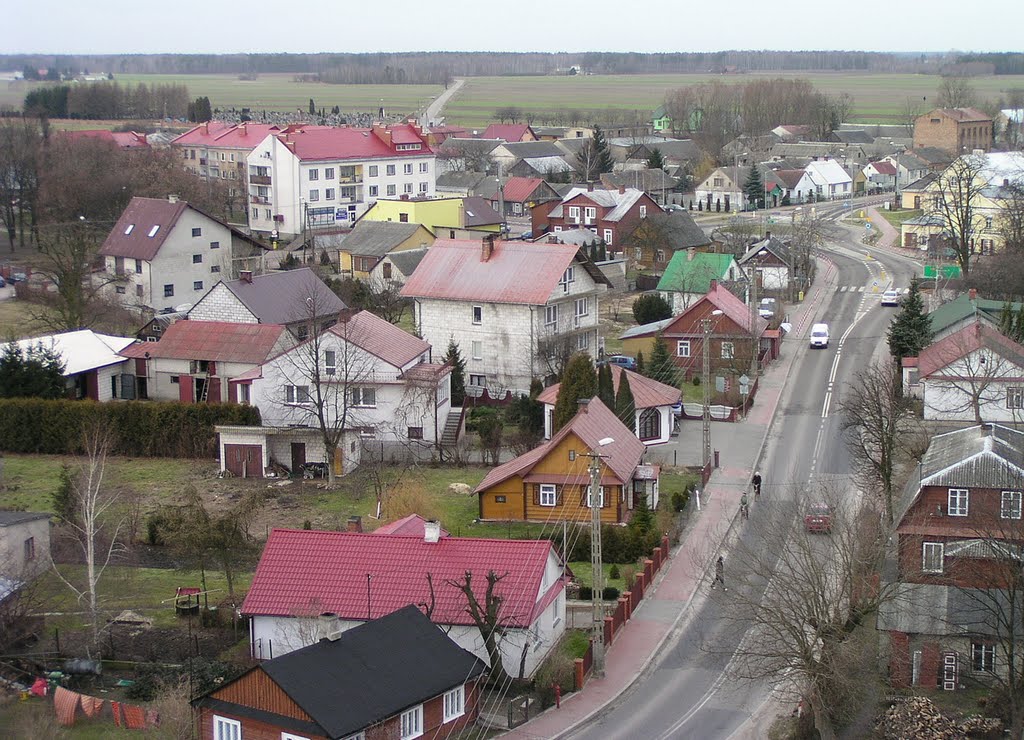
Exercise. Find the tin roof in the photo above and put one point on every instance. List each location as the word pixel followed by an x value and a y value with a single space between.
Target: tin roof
pixel 80 350
pixel 217 341
pixel 279 297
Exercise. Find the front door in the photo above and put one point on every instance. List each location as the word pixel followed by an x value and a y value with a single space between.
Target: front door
pixel 298 457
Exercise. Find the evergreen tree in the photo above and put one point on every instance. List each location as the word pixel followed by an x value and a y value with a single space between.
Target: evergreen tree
pixel 606 386
pixel 1018 327
pixel 640 364
pixel 643 521
pixel 454 356
pixel 661 367
pixel 579 381
pixel 753 188
pixel 593 158
pixel 200 110
pixel 651 307
pixel 655 161
pixel 911 330
pixel 36 373
pixel 625 407
pixel 312 107
pixel 1007 320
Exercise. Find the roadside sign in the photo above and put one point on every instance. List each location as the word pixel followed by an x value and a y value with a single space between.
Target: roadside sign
pixel 867 226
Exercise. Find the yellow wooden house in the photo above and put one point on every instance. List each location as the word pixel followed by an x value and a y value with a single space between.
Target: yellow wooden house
pixel 447 218
pixel 552 482
pixel 371 241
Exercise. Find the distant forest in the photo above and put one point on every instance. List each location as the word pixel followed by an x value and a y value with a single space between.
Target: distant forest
pixel 440 67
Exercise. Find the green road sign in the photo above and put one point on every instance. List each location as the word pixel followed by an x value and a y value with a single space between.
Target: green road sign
pixel 948 272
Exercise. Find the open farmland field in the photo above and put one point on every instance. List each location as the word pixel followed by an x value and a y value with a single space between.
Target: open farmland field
pixel 271 92
pixel 877 97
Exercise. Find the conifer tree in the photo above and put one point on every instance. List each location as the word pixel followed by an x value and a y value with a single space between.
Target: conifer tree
pixel 606 386
pixel 911 330
pixel 579 381
pixel 454 356
pixel 625 406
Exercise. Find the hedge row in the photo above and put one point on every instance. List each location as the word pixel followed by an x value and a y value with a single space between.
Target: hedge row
pixel 141 428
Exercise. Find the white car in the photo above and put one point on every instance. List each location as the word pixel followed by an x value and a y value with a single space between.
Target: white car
pixel 766 309
pixel 891 297
pixel 819 336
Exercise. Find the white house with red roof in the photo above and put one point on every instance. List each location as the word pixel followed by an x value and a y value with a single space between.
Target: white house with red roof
pixel 163 253
pixel 194 361
pixel 324 177
pixel 880 175
pixel 355 577
pixel 517 310
pixel 974 374
pixel 215 149
pixel 610 214
pixel 655 405
pixel 374 379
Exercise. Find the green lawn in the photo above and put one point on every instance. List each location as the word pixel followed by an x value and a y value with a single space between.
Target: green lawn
pixel 896 218
pixel 584 572
pixel 16 319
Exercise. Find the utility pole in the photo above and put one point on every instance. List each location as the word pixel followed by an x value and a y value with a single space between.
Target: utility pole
pixel 755 339
pixel 706 387
pixel 596 561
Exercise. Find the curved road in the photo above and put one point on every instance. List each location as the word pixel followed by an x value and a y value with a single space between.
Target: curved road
pixel 685 692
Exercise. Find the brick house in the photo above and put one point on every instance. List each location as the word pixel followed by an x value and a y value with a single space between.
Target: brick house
pixel 610 214
pixel 516 309
pixel 396 677
pixel 305 574
pixel 955 131
pixel 552 481
pixel 959 533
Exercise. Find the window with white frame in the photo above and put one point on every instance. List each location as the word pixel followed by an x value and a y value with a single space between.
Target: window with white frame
pixel 477 349
pixel 412 722
pixel 290 736
pixel 548 494
pixel 574 214
pixel 424 187
pixel 373 171
pixel 328 173
pixel 608 237
pixel 582 307
pixel 454 703
pixel 600 497
pixel 296 394
pixel 314 174
pixel 407 187
pixel 590 214
pixel 683 348
pixel 314 196
pixel 728 350
pixel 363 397
pixel 478 380
pixel 392 189
pixel 329 194
pixel 373 191
pixel 1010 505
pixel 1015 398
pixel 407 168
pixel 643 211
pixel 569 276
pixel 478 314
pixel 391 170
pixel 958 502
pixel 550 315
pixel 983 657
pixel 330 362
pixel 424 167
pixel 583 341
pixel 932 556
pixel 357 736
pixel 226 729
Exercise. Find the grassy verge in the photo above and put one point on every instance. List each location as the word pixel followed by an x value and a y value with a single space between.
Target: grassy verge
pixel 896 218
pixel 16 320
pixel 584 573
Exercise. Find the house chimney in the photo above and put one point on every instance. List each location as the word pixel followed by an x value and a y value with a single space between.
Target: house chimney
pixel 972 294
pixel 767 234
pixel 622 189
pixel 206 127
pixel 172 198
pixel 245 276
pixel 243 125
pixel 590 187
pixel 431 531
pixel 713 286
pixel 355 523
pixel 329 631
pixel 486 247
pixel 689 254
pixel 582 404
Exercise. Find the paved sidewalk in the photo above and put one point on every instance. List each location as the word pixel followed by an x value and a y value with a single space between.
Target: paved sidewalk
pixel 890 235
pixel 662 608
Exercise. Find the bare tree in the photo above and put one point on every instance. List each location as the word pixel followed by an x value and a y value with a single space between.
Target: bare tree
pixel 810 626
pixel 910 110
pixel 956 91
pixel 384 298
pixel 20 145
pixel 957 191
pixel 487 618
pixel 876 415
pixel 97 519
pixel 1011 217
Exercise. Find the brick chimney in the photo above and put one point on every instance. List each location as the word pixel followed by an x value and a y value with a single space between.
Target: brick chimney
pixel 767 234
pixel 245 276
pixel 206 127
pixel 583 404
pixel 355 523
pixel 590 187
pixel 972 294
pixel 431 531
pixel 622 189
pixel 486 247
pixel 713 286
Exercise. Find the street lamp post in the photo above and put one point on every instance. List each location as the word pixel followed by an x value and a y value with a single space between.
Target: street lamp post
pixel 596 564
pixel 706 384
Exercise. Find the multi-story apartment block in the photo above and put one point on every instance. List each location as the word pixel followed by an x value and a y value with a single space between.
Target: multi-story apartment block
pixel 218 150
pixel 317 177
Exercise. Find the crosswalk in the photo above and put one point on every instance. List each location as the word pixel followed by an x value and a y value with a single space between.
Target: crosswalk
pixel 852 289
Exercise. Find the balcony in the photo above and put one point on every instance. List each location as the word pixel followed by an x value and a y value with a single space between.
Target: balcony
pixel 259 179
pixel 351 179
pixel 259 200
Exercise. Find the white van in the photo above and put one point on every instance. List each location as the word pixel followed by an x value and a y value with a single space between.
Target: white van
pixel 819 336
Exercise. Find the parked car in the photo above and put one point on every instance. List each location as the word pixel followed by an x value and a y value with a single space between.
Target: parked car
pixel 891 297
pixel 621 360
pixel 819 336
pixel 818 518
pixel 766 309
pixel 526 235
pixel 18 277
pixel 3 283
pixel 673 207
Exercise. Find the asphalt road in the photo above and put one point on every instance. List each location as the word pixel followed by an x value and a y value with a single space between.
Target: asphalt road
pixel 688 692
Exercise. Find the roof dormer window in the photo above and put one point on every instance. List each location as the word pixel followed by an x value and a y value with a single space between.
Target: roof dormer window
pixel 128 230
pixel 152 232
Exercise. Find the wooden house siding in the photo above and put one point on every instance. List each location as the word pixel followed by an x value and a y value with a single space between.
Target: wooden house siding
pixel 252 729
pixel 514 506
pixel 257 690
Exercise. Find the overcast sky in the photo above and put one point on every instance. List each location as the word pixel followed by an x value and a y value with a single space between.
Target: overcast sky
pixel 222 26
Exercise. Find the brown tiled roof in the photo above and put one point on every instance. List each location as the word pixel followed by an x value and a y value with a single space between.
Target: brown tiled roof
pixel 142 228
pixel 972 337
pixel 965 114
pixel 219 341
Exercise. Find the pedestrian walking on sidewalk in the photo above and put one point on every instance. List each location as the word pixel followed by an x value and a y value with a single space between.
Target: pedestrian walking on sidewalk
pixel 719 573
pixel 744 509
pixel 756 480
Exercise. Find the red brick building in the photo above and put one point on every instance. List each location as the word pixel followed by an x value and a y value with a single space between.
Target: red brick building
pixel 959 536
pixel 396 677
pixel 955 131
pixel 610 214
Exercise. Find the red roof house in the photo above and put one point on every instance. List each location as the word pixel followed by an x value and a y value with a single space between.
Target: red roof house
pixel 121 139
pixel 509 132
pixel 610 214
pixel 358 577
pixel 520 194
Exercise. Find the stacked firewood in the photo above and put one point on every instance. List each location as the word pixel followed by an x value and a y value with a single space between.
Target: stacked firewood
pixel 919 719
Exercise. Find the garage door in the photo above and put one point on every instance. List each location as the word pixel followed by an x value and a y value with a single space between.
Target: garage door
pixel 245 461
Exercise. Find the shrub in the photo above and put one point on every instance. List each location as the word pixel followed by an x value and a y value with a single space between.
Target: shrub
pixel 651 307
pixel 613 572
pixel 610 593
pixel 559 669
pixel 679 500
pixel 586 593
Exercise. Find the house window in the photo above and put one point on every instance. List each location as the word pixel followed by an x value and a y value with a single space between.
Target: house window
pixel 330 362
pixel 590 214
pixel 550 315
pixel 477 350
pixel 638 253
pixel 314 195
pixel 197 285
pixel 138 267
pixel 574 214
pixel 643 211
pixel 328 173
pixel 717 182
pixel 407 168
pixel 569 276
pixel 392 189
pixel 214 245
pixel 119 290
pixel 583 341
pixel 608 237
pixel 650 424
pixel 983 657
pixel 548 494
pixel 214 268
pixel 415 433
pixel 683 348
pixel 600 498
pixel 226 729
pixel 197 259
pixel 373 191
pixel 391 170
pixel 728 350
pixel 1015 398
pixel 1010 507
pixel 296 394
pixel 454 703
pixel 30 548
pixel 314 174
pixel 582 307
pixel 958 500
pixel 373 171
pixel 424 187
pixel 244 393
pixel 500 499
pixel 197 232
pixel 572 455
pixel 932 555
pixel 175 378
pixel 364 397
pixel 289 736
pixel 329 194
pixel 478 314
pixel 412 722
pixel 659 255
pixel 168 291
pixel 478 380
pixel 988 222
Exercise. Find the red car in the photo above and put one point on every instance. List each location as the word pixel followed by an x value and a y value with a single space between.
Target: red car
pixel 818 518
